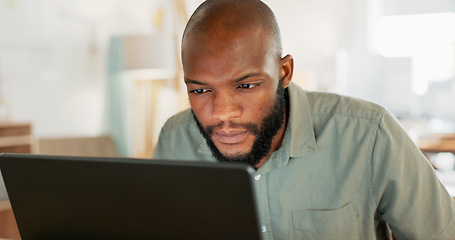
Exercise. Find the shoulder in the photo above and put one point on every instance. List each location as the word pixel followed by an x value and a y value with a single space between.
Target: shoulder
pixel 181 118
pixel 180 139
pixel 182 121
pixel 326 104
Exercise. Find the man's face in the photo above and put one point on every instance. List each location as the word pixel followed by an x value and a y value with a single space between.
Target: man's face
pixel 264 133
pixel 232 85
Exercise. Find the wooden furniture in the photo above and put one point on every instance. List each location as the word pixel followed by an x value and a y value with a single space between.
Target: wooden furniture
pixel 14 138
pixel 145 133
pixel 8 227
pixel 438 143
pixel 100 146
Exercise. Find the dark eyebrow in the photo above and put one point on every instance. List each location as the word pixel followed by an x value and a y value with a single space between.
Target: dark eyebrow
pixel 191 81
pixel 246 76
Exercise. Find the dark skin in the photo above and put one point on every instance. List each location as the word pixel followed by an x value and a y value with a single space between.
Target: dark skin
pixel 231 78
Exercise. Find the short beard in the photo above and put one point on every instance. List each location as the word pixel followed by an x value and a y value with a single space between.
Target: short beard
pixel 264 133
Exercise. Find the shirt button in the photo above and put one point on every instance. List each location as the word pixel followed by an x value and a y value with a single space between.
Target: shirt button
pixel 263 228
pixel 257 177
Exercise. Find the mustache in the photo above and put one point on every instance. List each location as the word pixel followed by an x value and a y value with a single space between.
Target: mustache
pixel 250 127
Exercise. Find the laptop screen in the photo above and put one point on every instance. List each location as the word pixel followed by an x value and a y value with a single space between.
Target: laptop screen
pixel 55 197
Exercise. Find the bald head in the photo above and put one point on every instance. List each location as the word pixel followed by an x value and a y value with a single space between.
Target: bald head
pixel 220 18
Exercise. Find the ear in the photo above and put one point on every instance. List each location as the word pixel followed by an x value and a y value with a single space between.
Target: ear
pixel 286 70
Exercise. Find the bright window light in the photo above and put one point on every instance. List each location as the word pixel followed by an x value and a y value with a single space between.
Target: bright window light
pixel 408 35
pixel 429 39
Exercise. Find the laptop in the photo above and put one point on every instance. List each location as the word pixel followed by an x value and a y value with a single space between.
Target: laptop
pixel 58 197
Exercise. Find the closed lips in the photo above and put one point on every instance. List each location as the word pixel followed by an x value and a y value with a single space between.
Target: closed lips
pixel 230 137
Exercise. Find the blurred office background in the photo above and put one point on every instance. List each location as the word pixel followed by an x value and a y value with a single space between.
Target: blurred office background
pixel 100 77
pixel 81 68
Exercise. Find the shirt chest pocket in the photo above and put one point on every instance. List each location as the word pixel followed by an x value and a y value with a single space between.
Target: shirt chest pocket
pixel 341 223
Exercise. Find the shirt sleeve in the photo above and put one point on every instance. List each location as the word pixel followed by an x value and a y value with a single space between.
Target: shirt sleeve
pixel 405 188
pixel 180 139
pixel 160 149
pixel 168 145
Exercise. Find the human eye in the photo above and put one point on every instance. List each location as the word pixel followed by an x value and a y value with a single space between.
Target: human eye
pixel 247 85
pixel 199 91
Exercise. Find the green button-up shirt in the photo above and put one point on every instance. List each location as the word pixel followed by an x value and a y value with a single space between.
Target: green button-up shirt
pixel 345 170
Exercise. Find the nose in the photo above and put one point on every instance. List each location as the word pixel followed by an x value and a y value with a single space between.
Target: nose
pixel 226 106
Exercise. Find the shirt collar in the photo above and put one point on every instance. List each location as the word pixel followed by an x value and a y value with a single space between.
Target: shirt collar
pixel 300 123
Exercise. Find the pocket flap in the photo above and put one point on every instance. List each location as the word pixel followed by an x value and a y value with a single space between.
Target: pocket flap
pixel 325 220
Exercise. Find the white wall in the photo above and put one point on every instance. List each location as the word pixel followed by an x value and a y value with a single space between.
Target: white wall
pixel 53 59
pixel 312 31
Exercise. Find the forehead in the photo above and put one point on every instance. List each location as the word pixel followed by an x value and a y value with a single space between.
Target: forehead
pixel 224 53
pixel 220 39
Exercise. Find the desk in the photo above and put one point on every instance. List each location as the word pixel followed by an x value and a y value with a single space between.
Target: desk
pixel 437 143
pixel 8 227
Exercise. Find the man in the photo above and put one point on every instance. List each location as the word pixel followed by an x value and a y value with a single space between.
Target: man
pixel 328 166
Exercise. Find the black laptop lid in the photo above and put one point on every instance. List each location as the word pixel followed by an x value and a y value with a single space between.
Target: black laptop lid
pixel 57 197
